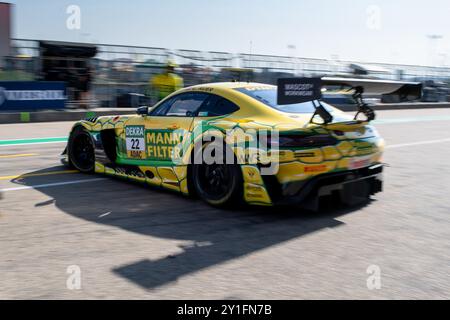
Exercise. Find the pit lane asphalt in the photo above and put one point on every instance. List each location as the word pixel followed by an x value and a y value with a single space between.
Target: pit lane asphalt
pixel 136 242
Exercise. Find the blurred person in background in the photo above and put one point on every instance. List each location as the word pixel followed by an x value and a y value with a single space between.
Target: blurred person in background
pixel 85 79
pixel 166 83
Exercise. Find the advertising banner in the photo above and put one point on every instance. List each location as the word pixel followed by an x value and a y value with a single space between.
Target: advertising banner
pixel 298 90
pixel 32 95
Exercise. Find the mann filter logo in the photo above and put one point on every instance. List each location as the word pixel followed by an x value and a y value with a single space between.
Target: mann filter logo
pixel 135 142
pixel 164 144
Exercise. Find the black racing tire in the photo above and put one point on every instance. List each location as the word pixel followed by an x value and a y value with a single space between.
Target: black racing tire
pixel 218 184
pixel 80 150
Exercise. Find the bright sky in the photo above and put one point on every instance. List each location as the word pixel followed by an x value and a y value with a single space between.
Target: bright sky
pixel 376 30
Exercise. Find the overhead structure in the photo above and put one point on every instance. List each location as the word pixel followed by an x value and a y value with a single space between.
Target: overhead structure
pixel 5 31
pixel 67 62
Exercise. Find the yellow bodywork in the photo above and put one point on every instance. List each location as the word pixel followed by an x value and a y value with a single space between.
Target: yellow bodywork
pixel 358 145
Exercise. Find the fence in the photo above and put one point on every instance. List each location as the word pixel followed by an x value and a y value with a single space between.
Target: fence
pixel 119 69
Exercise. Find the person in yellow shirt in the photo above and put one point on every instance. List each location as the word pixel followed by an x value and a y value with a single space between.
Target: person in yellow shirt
pixel 166 83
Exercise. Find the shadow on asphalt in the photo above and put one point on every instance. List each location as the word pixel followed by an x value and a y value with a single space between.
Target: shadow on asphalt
pixel 214 235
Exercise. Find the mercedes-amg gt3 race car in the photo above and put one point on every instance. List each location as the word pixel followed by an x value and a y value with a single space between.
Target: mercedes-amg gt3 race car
pixel 239 142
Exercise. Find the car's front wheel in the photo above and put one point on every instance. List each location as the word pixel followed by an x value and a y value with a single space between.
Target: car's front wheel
pixel 81 150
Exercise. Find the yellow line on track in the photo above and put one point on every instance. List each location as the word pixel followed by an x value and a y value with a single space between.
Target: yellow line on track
pixel 37 174
pixel 7 156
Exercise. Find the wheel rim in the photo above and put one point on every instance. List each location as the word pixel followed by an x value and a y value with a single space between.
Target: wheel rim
pixel 83 152
pixel 215 180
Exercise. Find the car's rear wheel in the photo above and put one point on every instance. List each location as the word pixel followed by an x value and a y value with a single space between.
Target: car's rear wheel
pixel 81 150
pixel 219 184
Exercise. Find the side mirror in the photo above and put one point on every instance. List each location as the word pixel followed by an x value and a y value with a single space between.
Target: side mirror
pixel 143 111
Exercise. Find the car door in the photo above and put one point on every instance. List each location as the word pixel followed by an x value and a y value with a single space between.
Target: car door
pixel 169 124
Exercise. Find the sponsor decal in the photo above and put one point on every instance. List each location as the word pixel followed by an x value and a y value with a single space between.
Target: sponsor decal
pixel 357 163
pixel 164 144
pixel 298 90
pixel 206 89
pixel 316 168
pixel 257 88
pixel 135 142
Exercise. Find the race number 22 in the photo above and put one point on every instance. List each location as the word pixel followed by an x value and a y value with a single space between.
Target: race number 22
pixel 135 144
pixel 135 141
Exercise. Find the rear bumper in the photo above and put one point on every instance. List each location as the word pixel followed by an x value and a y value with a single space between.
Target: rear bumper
pixel 352 186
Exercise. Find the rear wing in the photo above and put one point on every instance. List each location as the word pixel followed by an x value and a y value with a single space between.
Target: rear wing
pixel 298 90
pixel 404 91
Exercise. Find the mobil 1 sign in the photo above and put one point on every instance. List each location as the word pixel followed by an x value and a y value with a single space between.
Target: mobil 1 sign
pixel 298 90
pixel 31 95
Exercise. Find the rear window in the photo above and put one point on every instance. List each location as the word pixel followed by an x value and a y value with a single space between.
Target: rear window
pixel 269 98
pixel 217 106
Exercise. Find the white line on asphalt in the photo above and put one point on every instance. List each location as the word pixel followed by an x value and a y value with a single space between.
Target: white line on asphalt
pixel 418 143
pixel 22 139
pixel 48 185
pixel 105 214
pixel 412 119
pixel 27 144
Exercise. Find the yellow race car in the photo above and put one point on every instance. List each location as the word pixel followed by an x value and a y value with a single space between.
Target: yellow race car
pixel 237 142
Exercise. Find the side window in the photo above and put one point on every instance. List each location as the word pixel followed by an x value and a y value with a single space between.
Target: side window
pixel 161 110
pixel 217 106
pixel 186 105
